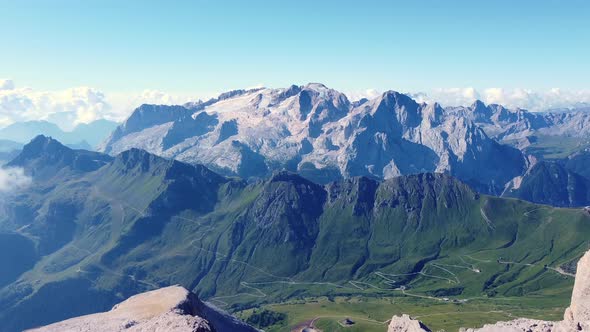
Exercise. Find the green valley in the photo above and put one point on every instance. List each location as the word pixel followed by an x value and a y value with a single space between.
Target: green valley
pixel 423 244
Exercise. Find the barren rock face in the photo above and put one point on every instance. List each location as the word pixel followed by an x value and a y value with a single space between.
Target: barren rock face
pixel 577 316
pixel 406 324
pixel 518 325
pixel 173 321
pixel 169 309
pixel 321 134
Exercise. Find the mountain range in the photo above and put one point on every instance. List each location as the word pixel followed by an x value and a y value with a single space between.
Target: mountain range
pixel 320 134
pixel 9 150
pixel 83 136
pixel 509 125
pixel 106 227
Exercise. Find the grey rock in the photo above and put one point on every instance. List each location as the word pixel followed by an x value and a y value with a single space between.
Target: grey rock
pixel 169 309
pixel 319 133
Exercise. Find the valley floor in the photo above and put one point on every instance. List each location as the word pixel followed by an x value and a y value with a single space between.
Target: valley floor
pixel 373 314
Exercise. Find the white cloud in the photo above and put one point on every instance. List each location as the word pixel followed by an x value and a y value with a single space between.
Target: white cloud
pixel 72 106
pixel 124 103
pixel 358 95
pixel 13 179
pixel 24 104
pixel 511 98
pixel 69 107
pixel 6 84
pixel 255 86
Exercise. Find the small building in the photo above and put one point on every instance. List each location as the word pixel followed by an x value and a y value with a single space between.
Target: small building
pixel 348 322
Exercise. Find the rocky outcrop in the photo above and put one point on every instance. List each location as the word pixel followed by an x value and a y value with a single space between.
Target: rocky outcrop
pixel 166 309
pixel 577 316
pixel 45 157
pixel 517 325
pixel 404 323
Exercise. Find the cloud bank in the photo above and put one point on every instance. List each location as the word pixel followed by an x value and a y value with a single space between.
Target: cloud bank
pixel 125 103
pixel 12 179
pixel 531 100
pixel 76 105
pixel 84 104
pixel 512 98
pixel 73 106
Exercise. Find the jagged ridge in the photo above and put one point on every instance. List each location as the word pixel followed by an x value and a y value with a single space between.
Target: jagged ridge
pixel 319 133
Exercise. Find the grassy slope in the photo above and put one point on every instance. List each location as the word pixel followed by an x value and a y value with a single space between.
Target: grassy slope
pixel 372 314
pixel 219 254
pixel 515 290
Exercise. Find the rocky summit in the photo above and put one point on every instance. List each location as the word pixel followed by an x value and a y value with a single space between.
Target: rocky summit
pixel 169 309
pixel 404 323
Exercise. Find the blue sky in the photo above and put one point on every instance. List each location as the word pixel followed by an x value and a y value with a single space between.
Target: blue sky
pixel 216 45
pixel 198 48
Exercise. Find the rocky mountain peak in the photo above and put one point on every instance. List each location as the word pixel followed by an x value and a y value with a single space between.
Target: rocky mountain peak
pixel 290 91
pixel 44 144
pixel 316 87
pixel 44 156
pixel 291 195
pixel 236 93
pixel 406 110
pixel 286 176
pixel 551 183
pixel 169 309
pixel 141 161
pixel 138 158
pixel 404 323
pixel 478 106
pixel 322 93
pixel 317 131
pixel 433 113
pixel 397 98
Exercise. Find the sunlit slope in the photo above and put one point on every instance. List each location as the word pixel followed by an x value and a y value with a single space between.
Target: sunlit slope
pixel 139 222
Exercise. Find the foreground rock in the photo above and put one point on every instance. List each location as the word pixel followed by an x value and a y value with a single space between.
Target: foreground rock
pixel 166 309
pixel 517 325
pixel 577 316
pixel 404 323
